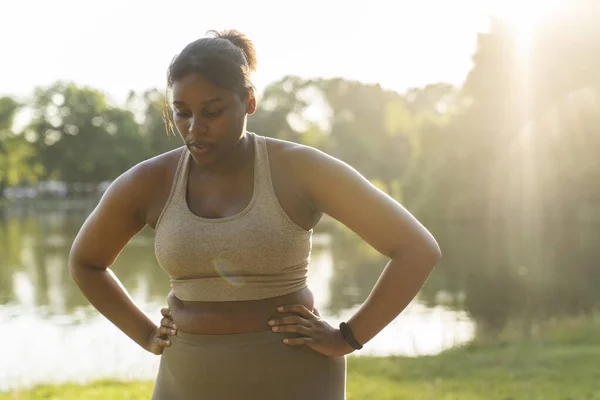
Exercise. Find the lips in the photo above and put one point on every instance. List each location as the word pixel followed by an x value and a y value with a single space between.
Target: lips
pixel 200 143
pixel 200 146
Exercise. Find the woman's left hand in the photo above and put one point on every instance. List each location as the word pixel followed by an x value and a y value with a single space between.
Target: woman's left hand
pixel 318 334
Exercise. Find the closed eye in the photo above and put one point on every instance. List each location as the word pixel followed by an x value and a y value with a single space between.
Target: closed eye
pixel 213 114
pixel 183 114
pixel 206 114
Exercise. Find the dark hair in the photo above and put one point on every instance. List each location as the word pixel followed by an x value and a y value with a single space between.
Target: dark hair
pixel 225 58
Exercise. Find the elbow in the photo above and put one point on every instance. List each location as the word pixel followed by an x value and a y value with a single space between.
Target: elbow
pixel 74 267
pixel 430 251
pixel 430 256
pixel 77 269
pixel 436 252
pixel 73 263
pixel 426 255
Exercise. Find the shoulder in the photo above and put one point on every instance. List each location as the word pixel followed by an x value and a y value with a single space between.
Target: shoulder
pixel 151 173
pixel 145 184
pixel 159 169
pixel 313 170
pixel 304 160
pixel 297 157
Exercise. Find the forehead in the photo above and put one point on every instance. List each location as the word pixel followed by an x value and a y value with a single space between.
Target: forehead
pixel 195 88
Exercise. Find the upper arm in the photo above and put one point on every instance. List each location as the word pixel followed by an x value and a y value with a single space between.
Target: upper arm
pixel 118 217
pixel 339 191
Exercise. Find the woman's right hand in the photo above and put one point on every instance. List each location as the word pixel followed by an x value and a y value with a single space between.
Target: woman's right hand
pixel 159 338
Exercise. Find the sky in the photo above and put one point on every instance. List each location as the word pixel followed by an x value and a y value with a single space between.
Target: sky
pixel 122 45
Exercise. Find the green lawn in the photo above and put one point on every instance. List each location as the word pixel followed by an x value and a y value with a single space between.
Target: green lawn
pixel 528 371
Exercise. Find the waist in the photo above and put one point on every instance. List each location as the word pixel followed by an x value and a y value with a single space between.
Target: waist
pixel 232 317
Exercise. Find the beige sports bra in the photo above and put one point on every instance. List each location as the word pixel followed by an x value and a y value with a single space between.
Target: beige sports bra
pixel 255 254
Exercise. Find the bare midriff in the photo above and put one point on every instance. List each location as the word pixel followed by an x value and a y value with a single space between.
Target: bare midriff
pixel 231 317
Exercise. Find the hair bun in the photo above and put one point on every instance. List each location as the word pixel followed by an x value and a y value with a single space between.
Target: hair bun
pixel 239 40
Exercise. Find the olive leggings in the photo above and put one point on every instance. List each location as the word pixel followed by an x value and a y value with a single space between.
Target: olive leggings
pixel 247 366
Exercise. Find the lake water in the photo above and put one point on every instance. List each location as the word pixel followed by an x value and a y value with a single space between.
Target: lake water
pixel 50 334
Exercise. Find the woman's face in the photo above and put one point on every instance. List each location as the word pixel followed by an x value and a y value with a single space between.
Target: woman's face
pixel 211 120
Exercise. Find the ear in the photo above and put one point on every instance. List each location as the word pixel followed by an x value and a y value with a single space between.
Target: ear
pixel 251 104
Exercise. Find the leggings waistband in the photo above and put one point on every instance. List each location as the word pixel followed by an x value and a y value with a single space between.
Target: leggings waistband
pixel 266 336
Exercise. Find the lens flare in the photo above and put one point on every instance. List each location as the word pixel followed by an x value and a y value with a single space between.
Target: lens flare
pixel 226 270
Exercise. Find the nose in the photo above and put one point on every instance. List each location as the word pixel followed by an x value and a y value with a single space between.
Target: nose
pixel 197 128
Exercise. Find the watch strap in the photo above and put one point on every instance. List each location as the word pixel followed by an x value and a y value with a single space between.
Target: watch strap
pixel 349 336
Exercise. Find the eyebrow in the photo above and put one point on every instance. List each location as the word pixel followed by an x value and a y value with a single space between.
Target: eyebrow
pixel 205 102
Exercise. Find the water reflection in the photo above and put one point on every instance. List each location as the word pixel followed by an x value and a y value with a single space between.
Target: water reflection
pixel 59 337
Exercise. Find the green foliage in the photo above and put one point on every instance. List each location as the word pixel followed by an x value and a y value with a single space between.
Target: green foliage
pixel 157 137
pixel 17 157
pixel 76 136
pixel 80 138
pixel 8 109
pixel 17 162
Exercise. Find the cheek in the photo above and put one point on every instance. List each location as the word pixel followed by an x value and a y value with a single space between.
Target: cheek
pixel 182 125
pixel 229 124
pixel 238 118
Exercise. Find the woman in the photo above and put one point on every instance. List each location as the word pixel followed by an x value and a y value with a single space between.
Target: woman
pixel 233 214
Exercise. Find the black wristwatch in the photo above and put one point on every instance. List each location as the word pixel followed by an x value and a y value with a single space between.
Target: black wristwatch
pixel 349 336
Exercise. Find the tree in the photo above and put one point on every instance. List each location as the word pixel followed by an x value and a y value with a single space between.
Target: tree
pixel 80 137
pixel 18 162
pixel 527 145
pixel 154 119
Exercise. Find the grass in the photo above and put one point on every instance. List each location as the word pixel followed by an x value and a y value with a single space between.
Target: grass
pixel 559 363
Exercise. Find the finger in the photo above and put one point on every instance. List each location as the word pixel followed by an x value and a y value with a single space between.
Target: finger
pixel 298 341
pixel 163 342
pixel 290 319
pixel 168 323
pixel 316 312
pixel 301 329
pixel 297 309
pixel 166 331
pixel 165 312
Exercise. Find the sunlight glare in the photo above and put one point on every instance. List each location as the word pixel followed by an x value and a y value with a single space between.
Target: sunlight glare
pixel 523 16
pixel 524 19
